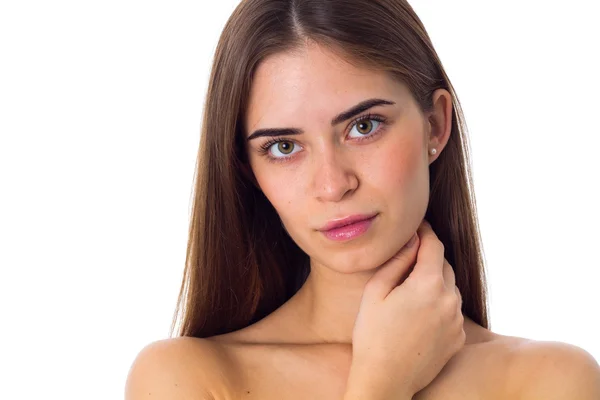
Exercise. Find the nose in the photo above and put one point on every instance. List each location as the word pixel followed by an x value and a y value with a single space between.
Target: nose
pixel 333 176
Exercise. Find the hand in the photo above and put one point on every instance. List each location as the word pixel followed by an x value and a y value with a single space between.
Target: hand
pixel 405 333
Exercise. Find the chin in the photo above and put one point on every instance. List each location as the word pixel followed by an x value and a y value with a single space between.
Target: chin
pixel 352 261
pixel 361 254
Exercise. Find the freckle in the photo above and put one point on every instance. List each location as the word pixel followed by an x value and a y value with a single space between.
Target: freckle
pixel 419 353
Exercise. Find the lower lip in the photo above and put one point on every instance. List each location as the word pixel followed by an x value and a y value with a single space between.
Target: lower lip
pixel 349 231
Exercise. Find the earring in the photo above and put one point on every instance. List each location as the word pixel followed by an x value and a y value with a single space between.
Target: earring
pixel 433 151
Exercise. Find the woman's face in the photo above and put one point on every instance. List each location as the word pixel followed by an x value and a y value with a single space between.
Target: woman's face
pixel 326 171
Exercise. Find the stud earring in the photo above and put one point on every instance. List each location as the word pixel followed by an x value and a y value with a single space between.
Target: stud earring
pixel 433 151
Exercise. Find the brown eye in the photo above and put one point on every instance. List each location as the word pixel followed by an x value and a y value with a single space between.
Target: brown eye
pixel 364 126
pixel 285 147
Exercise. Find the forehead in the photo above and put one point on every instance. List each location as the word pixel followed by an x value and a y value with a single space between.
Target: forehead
pixel 310 85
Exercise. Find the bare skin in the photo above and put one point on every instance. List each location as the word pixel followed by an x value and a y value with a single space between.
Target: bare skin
pixel 252 364
pixel 303 350
pixel 275 359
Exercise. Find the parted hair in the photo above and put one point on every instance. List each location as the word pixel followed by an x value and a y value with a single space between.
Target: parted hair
pixel 240 262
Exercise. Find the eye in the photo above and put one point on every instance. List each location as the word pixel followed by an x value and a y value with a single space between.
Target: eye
pixel 365 126
pixel 282 146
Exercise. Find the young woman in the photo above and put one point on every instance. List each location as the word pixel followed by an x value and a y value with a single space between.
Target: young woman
pixel 331 137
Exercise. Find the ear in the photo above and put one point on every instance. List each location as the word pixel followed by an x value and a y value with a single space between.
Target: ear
pixel 440 122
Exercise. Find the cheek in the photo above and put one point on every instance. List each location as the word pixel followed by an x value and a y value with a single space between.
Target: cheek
pixel 290 202
pixel 398 167
pixel 283 193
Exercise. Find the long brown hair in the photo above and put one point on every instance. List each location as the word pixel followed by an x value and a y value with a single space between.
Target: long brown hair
pixel 241 264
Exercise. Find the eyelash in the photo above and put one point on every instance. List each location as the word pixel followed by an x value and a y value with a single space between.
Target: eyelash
pixel 264 148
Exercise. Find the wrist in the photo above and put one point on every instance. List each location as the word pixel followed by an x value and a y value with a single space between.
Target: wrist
pixel 371 384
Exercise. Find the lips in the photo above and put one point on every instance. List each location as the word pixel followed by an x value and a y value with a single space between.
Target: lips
pixel 352 219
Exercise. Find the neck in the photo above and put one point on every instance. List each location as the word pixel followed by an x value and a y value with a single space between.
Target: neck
pixel 325 308
pixel 328 303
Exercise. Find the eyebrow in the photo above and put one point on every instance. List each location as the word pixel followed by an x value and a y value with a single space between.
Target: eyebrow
pixel 351 112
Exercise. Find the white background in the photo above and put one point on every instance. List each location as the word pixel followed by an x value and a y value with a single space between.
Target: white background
pixel 100 108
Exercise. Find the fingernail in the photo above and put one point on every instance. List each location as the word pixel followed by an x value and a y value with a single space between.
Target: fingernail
pixel 412 241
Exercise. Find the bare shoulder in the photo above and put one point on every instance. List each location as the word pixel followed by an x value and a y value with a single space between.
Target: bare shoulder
pixel 525 369
pixel 178 368
pixel 553 370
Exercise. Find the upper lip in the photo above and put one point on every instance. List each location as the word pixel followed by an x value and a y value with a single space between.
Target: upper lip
pixel 351 219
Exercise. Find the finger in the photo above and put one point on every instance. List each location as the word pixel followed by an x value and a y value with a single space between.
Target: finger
pixel 457 291
pixel 430 259
pixel 389 274
pixel 449 276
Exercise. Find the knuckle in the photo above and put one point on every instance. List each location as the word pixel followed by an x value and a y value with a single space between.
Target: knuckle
pixel 449 267
pixel 458 294
pixel 449 304
pixel 441 246
pixel 434 283
pixel 462 338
